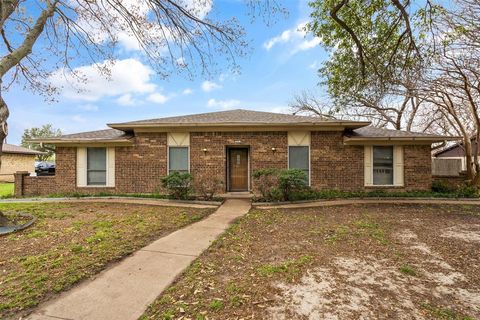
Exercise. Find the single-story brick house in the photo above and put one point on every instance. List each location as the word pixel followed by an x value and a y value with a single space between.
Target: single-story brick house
pixel 16 158
pixel 131 157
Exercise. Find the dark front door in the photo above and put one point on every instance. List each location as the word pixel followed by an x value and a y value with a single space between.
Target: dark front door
pixel 238 169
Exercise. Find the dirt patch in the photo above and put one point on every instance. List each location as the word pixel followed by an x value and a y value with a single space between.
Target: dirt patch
pixel 73 241
pixel 470 233
pixel 350 262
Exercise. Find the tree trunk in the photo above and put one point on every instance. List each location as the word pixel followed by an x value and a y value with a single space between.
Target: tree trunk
pixel 4 113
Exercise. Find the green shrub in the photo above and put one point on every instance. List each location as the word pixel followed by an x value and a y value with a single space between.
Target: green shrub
pixel 291 181
pixel 443 186
pixel 266 181
pixel 281 184
pixel 178 184
pixel 468 192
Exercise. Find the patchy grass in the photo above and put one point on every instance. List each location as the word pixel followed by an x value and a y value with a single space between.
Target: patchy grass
pixel 73 241
pixel 6 189
pixel 443 313
pixel 345 262
pixel 408 270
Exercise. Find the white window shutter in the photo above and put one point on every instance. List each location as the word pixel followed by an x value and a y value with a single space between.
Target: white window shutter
pixel 81 167
pixel 398 172
pixel 111 167
pixel 368 165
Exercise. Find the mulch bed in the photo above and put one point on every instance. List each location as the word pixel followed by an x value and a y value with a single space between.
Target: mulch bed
pixel 345 262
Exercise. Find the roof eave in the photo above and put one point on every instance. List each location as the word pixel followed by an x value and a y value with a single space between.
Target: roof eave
pixel 84 141
pixel 425 140
pixel 346 124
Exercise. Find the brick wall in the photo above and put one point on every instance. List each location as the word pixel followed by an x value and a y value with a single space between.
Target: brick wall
pixel 139 168
pixel 418 167
pixel 13 162
pixel 213 161
pixel 334 165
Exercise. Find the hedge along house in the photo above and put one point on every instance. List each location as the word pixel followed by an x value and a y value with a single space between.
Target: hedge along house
pixel 229 146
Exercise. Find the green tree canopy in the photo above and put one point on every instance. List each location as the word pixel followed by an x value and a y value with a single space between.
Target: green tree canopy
pixel 45 131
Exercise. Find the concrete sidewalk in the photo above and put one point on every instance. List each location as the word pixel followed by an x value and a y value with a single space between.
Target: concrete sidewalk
pixel 343 202
pixel 125 290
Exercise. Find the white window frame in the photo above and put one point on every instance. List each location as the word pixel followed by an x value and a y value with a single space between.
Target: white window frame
pixel 82 170
pixel 106 168
pixel 309 161
pixel 168 157
pixel 393 166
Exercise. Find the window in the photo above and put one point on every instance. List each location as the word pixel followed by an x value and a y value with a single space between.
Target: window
pixel 383 166
pixel 97 166
pixel 178 159
pixel 299 158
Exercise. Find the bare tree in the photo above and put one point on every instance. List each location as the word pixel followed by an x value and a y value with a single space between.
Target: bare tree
pixel 40 37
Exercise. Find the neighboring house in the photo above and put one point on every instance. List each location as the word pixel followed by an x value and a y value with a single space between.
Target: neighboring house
pixel 15 158
pixel 230 145
pixel 455 151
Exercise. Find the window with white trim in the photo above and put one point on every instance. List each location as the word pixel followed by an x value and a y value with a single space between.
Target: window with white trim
pixel 96 166
pixel 299 158
pixel 178 159
pixel 383 163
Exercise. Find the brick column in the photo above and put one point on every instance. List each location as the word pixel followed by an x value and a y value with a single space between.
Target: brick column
pixel 19 180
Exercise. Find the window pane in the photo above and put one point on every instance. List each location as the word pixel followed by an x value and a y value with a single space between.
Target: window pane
pixel 96 166
pixel 383 165
pixel 178 159
pixel 97 178
pixel 298 158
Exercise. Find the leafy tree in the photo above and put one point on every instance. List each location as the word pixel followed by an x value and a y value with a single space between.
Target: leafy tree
pixel 45 131
pixel 41 37
pixel 404 64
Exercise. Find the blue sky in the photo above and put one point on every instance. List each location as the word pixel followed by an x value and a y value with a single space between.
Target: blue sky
pixel 282 62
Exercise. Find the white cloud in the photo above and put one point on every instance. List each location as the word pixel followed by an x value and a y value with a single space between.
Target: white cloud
pixel 157 98
pixel 297 39
pixel 223 104
pixel 187 91
pixel 87 83
pixel 284 37
pixel 119 30
pixel 126 100
pixel 208 86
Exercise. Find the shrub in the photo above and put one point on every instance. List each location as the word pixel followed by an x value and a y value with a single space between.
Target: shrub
pixel 468 192
pixel 266 181
pixel 178 184
pixel 208 186
pixel 290 181
pixel 281 184
pixel 442 186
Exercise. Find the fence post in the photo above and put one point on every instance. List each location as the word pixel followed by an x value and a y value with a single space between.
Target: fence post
pixel 19 182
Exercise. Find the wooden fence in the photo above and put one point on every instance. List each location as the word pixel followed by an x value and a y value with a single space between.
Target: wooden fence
pixel 446 167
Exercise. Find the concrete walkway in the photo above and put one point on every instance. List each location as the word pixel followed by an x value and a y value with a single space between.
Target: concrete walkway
pixel 328 203
pixel 144 201
pixel 125 290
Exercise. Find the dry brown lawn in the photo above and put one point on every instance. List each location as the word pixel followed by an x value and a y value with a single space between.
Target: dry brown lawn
pixel 73 241
pixel 345 262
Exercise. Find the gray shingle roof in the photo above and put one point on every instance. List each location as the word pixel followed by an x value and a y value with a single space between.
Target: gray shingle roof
pixel 373 132
pixel 91 136
pixel 10 148
pixel 107 134
pixel 231 116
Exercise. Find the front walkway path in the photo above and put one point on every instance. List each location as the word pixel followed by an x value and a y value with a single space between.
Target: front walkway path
pixel 126 290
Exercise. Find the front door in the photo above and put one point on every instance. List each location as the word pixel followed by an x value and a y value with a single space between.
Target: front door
pixel 238 169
